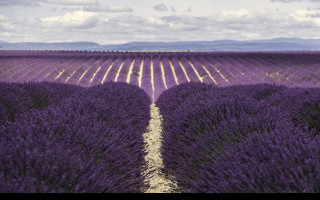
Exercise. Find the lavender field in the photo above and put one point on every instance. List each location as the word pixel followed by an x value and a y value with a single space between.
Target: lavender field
pixel 156 72
pixel 257 138
pixel 74 121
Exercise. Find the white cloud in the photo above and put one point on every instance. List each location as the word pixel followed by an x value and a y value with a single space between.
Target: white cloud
pixel 77 19
pixel 6 23
pixel 105 28
pixel 160 7
pixel 155 20
pixel 307 16
pixel 19 2
pixel 290 1
pixel 71 2
pixel 113 8
pixel 235 14
pixel 3 18
pixel 56 2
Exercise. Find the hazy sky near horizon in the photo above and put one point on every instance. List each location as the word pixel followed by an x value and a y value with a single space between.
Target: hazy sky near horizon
pixel 121 21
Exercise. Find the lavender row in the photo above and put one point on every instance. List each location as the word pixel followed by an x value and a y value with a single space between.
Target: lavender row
pixel 173 68
pixel 90 141
pixel 18 98
pixel 210 137
pixel 283 161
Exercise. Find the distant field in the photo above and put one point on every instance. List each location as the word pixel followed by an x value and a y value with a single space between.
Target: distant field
pixel 157 71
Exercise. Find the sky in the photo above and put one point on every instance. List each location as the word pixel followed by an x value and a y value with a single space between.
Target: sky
pixel 122 21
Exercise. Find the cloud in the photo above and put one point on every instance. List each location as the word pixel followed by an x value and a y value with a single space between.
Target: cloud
pixel 77 19
pixel 239 24
pixel 114 8
pixel 160 7
pixel 307 17
pixel 290 1
pixel 235 14
pixel 6 23
pixel 3 18
pixel 314 15
pixel 71 2
pixel 38 2
pixel 232 24
pixel 19 2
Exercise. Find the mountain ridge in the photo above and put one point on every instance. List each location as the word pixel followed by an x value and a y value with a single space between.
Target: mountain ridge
pixel 275 44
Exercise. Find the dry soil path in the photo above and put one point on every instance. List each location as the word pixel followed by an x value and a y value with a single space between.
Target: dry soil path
pixel 158 183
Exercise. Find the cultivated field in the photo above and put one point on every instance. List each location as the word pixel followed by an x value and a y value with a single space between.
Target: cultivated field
pixel 157 71
pixel 159 122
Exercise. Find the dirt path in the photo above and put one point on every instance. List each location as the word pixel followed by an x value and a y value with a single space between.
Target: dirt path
pixel 158 183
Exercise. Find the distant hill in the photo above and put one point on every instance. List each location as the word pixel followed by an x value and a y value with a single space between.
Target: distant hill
pixel 51 46
pixel 277 44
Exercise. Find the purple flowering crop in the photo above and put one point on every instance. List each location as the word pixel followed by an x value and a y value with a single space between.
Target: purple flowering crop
pixel 276 162
pixel 17 98
pixel 202 122
pixel 303 105
pixel 89 142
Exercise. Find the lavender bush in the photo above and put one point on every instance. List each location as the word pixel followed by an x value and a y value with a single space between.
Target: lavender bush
pixel 170 99
pixel 89 142
pixel 207 121
pixel 257 91
pixel 17 98
pixel 280 161
pixel 302 104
